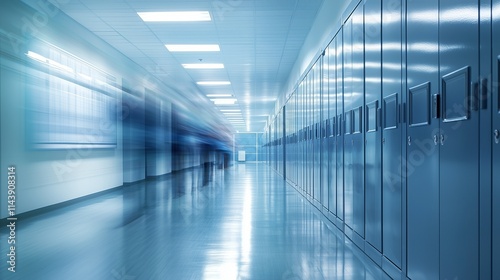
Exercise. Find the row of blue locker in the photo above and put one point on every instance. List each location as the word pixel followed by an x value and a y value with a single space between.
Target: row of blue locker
pixel 394 134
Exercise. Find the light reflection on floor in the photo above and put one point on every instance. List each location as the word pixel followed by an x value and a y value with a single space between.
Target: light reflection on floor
pixel 244 223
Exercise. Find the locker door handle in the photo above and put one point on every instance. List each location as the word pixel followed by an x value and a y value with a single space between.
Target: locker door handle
pixel 483 101
pixel 496 135
pixel 436 105
pixel 404 112
pixel 379 117
pixel 474 96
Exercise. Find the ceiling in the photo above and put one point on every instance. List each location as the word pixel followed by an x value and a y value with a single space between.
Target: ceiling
pixel 259 40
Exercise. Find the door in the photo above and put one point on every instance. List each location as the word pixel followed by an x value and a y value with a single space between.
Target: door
pixel 332 143
pixel 347 117
pixel 459 139
pixel 340 132
pixel 373 149
pixel 392 132
pixel 422 159
pixel 358 133
pixel 495 134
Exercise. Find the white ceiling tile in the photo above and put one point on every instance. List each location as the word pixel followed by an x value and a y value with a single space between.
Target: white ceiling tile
pixel 259 41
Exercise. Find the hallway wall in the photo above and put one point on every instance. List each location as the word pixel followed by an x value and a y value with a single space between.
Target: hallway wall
pixel 78 117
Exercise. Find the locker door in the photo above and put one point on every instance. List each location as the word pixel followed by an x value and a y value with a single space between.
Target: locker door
pixel 496 141
pixel 348 166
pixel 392 133
pixel 340 133
pixel 348 141
pixel 300 149
pixel 325 123
pixel 459 160
pixel 310 113
pixel 358 136
pixel 306 140
pixel 373 149
pixel 332 100
pixel 317 130
pixel 422 151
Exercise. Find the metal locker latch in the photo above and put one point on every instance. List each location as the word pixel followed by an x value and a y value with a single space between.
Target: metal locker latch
pixel 496 134
pixel 442 140
pixel 409 140
pixel 436 140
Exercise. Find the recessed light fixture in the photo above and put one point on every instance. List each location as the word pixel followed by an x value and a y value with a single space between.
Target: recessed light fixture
pixel 193 48
pixel 49 62
pixel 227 101
pixel 204 66
pixel 214 83
pixel 219 95
pixel 176 16
pixel 231 110
pixel 232 114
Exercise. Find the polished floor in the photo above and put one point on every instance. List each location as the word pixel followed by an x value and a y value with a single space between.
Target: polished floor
pixel 240 223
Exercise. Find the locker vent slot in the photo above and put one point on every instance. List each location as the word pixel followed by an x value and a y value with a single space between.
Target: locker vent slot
pixel 456 95
pixel 371 116
pixel 419 102
pixel 391 111
pixel 356 119
pixel 348 122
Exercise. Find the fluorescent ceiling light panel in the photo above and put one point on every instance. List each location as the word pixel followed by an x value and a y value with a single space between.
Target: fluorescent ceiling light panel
pixel 231 110
pixel 193 48
pixel 204 66
pixel 219 95
pixel 224 101
pixel 176 16
pixel 231 114
pixel 49 62
pixel 214 83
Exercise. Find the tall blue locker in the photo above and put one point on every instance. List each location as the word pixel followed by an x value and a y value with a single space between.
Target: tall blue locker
pixel 358 134
pixel 325 150
pixel 347 117
pixel 332 133
pixel 309 147
pixel 316 113
pixel 373 148
pixel 459 160
pixel 422 159
pixel 300 126
pixel 392 133
pixel 496 141
pixel 340 130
